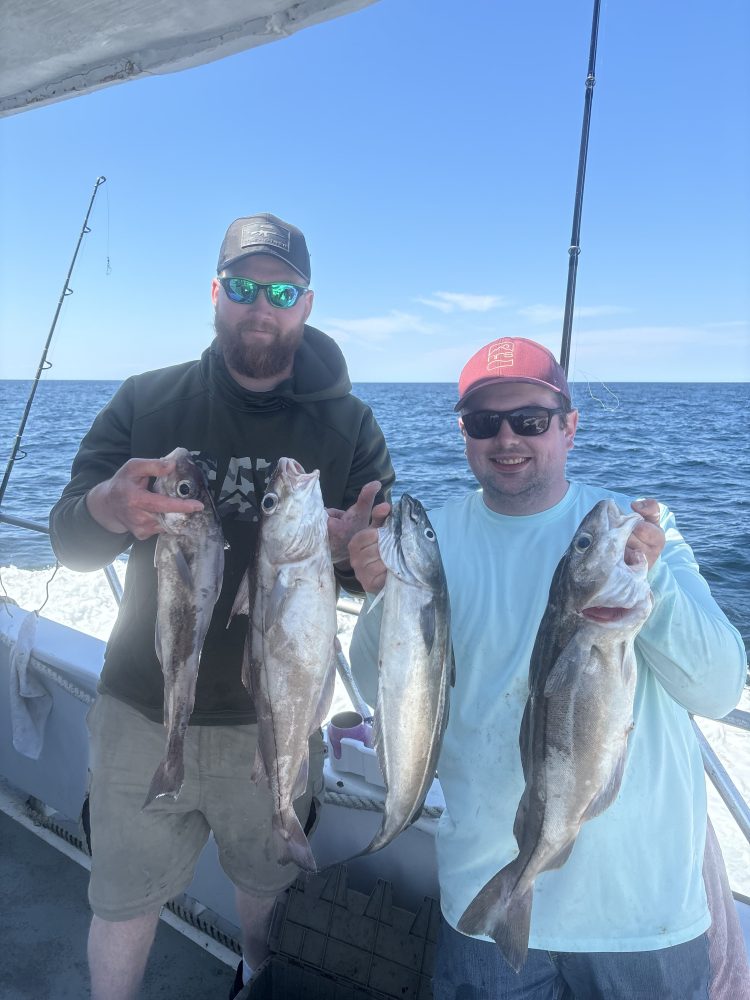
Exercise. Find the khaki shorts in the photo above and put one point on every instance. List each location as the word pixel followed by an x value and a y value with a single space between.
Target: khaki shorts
pixel 142 858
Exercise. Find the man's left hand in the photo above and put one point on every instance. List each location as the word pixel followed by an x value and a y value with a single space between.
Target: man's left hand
pixel 647 536
pixel 344 524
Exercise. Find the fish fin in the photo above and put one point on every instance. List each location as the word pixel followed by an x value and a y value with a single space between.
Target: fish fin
pixel 566 668
pixel 273 607
pixel 157 643
pixel 608 794
pixel 259 772
pixel 503 914
pixel 521 813
pixel 427 623
pixel 452 669
pixel 300 785
pixel 293 844
pixel 167 780
pixel 248 670
pixel 377 600
pixel 628 666
pixel 525 737
pixel 561 857
pixel 241 605
pixel 183 568
pixel 326 694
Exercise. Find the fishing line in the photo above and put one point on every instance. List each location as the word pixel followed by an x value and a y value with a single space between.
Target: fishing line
pixel 108 268
pixel 607 408
pixel 8 599
pixel 54 574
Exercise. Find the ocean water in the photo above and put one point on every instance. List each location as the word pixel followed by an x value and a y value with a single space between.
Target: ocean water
pixel 685 444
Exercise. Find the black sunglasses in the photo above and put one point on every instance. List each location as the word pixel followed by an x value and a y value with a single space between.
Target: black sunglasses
pixel 281 294
pixel 526 421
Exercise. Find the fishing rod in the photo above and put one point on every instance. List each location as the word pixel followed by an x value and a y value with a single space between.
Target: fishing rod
pixel 43 363
pixel 575 248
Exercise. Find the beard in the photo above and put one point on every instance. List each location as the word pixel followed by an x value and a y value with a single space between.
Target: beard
pixel 259 361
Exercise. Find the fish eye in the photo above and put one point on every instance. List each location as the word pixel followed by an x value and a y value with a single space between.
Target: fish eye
pixel 583 542
pixel 269 503
pixel 429 534
pixel 184 488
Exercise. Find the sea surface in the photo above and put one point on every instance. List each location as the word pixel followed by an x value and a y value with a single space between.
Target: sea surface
pixel 684 444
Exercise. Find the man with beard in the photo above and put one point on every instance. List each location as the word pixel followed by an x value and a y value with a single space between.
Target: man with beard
pixel 268 386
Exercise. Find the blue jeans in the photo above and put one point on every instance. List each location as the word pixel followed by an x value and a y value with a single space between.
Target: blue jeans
pixel 468 969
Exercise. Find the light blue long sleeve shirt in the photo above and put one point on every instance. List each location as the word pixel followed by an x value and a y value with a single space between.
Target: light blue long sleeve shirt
pixel 633 881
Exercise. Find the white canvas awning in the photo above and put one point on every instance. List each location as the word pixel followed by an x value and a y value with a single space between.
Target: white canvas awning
pixel 54 49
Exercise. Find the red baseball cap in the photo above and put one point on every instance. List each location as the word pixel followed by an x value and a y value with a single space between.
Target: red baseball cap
pixel 511 359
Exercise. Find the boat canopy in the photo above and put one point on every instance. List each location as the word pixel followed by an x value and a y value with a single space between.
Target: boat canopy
pixel 63 48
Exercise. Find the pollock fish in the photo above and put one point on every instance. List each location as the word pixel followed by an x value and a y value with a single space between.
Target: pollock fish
pixel 415 666
pixel 189 560
pixel 290 661
pixel 577 720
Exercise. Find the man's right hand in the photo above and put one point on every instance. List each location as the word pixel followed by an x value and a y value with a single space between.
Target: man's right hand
pixel 364 556
pixel 125 503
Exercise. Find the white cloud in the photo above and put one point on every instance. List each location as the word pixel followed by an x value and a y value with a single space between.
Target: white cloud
pixel 552 314
pixel 375 329
pixel 662 354
pixel 448 302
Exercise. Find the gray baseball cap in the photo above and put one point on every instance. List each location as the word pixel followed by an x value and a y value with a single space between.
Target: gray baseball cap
pixel 267 234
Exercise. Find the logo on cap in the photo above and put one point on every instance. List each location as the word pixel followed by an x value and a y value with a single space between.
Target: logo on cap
pixel 265 234
pixel 499 355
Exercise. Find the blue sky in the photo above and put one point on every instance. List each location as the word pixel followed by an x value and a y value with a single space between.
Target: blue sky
pixel 429 152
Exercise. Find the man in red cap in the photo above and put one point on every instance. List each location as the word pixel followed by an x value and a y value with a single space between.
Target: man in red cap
pixel 269 386
pixel 625 914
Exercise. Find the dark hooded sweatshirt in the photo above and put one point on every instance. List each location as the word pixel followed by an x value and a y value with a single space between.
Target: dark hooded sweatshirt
pixel 236 436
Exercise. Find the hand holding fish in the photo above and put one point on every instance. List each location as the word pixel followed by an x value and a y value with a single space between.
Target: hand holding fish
pixel 365 559
pixel 125 503
pixel 647 538
pixel 344 524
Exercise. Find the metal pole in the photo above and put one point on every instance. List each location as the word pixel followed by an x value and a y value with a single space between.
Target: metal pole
pixel 43 360
pixel 575 248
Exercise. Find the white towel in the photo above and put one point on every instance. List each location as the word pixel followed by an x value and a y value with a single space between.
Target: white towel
pixel 30 702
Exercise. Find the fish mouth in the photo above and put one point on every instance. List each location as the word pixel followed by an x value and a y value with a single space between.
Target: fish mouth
pixel 289 471
pixel 626 598
pixel 605 614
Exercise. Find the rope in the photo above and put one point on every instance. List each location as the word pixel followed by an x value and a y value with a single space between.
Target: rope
pixel 372 805
pixel 61 681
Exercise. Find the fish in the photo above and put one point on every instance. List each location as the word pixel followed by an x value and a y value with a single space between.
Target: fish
pixel 415 666
pixel 577 719
pixel 290 657
pixel 189 561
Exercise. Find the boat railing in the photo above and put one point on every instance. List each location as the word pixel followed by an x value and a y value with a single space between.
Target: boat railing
pixel 720 778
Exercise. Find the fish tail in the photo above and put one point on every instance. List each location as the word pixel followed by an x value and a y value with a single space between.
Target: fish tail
pixel 170 774
pixel 294 846
pixel 167 780
pixel 388 831
pixel 503 913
